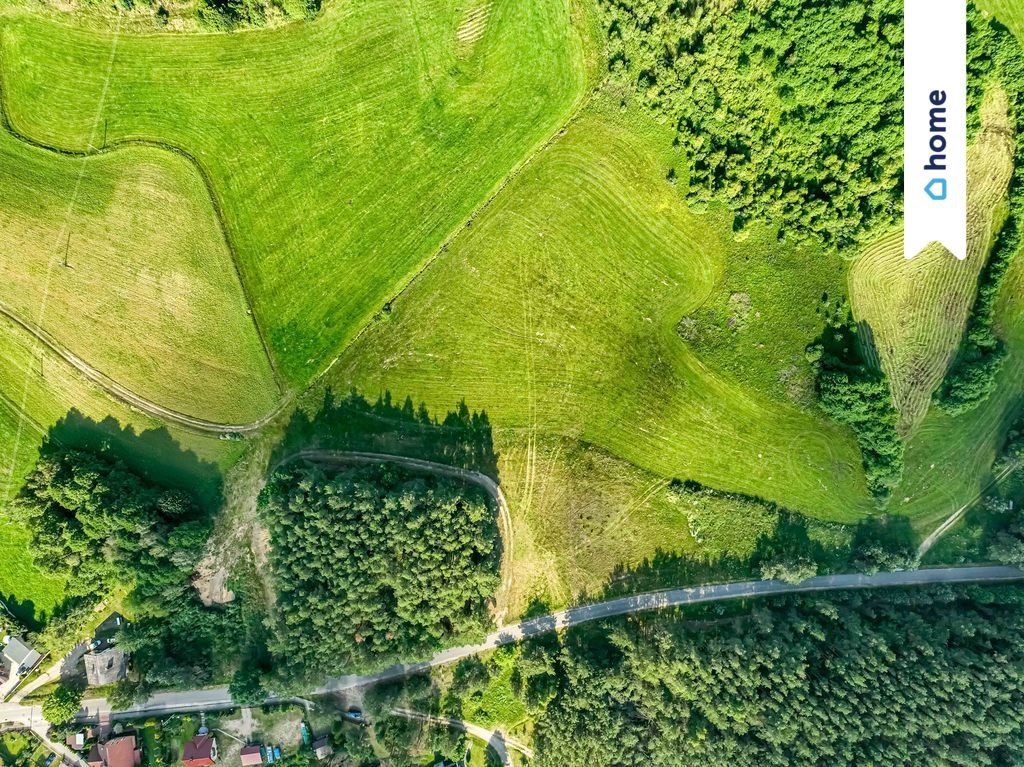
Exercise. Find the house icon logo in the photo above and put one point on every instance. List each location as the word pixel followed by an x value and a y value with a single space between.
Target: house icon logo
pixel 936 189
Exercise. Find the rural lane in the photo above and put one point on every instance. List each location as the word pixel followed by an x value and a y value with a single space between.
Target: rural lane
pixel 218 698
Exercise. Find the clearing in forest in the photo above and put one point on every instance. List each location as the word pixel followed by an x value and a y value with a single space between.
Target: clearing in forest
pixel 914 311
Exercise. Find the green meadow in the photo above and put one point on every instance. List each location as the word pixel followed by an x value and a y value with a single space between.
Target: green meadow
pixel 342 153
pixel 558 314
pixel 120 258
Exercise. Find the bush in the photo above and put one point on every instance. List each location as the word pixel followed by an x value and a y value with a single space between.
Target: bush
pixel 62 704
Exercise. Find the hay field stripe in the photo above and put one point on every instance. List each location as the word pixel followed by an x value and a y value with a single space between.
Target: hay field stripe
pixel 917 308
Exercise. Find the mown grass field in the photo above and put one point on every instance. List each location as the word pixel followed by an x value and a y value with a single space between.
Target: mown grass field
pixel 556 313
pixel 343 152
pixel 949 460
pixel 915 309
pixel 149 295
pixel 19 577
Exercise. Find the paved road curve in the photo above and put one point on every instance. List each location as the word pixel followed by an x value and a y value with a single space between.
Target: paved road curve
pixel 218 698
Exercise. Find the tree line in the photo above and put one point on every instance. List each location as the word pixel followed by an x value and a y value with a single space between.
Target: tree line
pixel 101 526
pixel 994 56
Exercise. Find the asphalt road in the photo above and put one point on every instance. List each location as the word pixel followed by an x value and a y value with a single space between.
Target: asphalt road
pixel 218 698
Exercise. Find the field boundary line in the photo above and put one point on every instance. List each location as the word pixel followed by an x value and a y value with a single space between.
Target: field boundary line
pixel 466 223
pixel 218 208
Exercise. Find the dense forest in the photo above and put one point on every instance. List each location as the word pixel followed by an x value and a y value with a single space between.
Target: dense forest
pixel 790 111
pixel 102 526
pixel 99 524
pixel 909 677
pixel 994 55
pixel 374 564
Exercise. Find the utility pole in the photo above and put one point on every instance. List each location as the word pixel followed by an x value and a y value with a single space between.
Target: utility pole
pixel 67 248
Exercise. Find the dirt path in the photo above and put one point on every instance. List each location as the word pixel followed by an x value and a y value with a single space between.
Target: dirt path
pixel 495 740
pixel 955 517
pixel 127 396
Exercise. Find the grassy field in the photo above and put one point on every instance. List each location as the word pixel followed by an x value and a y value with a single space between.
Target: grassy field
pixel 949 459
pixel 1010 12
pixel 916 309
pixel 21 581
pixel 150 296
pixel 557 313
pixel 343 160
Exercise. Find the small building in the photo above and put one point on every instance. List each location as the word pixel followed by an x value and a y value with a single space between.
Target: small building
pixel 118 752
pixel 322 748
pixel 76 741
pixel 201 751
pixel 106 666
pixel 19 657
pixel 252 756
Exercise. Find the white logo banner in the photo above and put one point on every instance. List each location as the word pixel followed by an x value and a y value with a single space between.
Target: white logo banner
pixel 935 126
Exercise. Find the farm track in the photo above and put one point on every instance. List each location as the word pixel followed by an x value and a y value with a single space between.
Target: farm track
pixel 955 517
pixel 127 396
pixel 496 740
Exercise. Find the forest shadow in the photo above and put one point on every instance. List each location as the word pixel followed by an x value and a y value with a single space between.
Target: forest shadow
pixel 462 438
pixel 154 454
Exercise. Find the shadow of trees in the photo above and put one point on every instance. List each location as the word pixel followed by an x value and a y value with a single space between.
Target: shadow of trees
pixel 153 454
pixel 462 438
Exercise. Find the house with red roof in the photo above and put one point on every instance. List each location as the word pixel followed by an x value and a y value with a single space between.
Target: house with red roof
pixel 117 752
pixel 201 751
